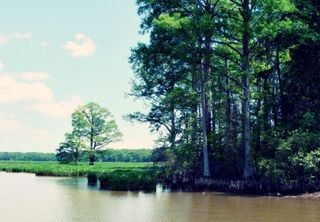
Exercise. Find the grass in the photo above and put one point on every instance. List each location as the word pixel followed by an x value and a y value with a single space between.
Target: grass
pixel 112 176
pixel 128 179
pixel 56 169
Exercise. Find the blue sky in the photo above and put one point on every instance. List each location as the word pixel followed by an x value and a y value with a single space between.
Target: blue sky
pixel 55 55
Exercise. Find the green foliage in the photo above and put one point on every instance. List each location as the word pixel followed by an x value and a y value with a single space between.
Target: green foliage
pixel 93 128
pixel 96 125
pixel 30 156
pixel 272 170
pixel 306 167
pixel 126 155
pixel 70 150
pixel 113 176
pixel 298 141
pixel 56 169
pixel 182 158
pixel 109 155
pixel 296 160
pixel 239 79
pixel 174 21
pixel 137 179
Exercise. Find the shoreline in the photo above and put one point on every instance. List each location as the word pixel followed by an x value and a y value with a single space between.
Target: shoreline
pixel 306 196
pixel 136 176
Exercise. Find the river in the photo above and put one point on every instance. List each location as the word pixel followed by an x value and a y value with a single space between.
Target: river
pixel 25 197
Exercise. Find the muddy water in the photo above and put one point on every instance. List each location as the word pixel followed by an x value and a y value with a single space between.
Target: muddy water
pixel 25 197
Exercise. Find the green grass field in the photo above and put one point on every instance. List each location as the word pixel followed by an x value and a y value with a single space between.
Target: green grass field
pixel 56 169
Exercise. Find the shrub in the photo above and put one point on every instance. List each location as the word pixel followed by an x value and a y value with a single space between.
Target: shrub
pixel 132 180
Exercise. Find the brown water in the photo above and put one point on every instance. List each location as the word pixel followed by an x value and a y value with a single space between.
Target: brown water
pixel 25 197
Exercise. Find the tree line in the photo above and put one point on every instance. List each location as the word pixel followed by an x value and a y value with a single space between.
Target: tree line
pixel 29 156
pixel 233 86
pixel 109 155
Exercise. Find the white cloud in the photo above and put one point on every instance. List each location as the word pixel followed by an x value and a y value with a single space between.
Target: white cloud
pixel 8 123
pixel 18 88
pixel 12 90
pixel 5 38
pixel 34 76
pixel 44 44
pixel 1 65
pixel 82 46
pixel 21 35
pixel 56 108
pixel 18 136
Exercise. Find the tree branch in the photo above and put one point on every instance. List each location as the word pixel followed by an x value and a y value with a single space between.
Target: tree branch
pixel 229 45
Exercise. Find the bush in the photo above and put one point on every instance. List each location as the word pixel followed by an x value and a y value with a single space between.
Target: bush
pixel 129 180
pixel 296 161
pixel 271 170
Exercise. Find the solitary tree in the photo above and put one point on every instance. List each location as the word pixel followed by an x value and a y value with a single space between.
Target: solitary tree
pixel 97 126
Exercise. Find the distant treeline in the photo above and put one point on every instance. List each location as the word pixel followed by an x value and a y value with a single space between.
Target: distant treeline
pixel 111 155
pixel 30 156
pixel 126 155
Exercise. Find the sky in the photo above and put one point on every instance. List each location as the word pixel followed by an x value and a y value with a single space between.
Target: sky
pixel 57 55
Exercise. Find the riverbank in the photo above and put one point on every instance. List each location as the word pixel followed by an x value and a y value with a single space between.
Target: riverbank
pixel 144 176
pixel 189 183
pixel 315 195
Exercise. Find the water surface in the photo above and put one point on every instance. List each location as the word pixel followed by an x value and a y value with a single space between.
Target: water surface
pixel 25 197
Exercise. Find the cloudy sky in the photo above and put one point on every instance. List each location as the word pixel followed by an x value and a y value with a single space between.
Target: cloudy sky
pixel 56 55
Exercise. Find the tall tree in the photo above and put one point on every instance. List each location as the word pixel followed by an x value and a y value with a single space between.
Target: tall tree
pixel 222 77
pixel 97 126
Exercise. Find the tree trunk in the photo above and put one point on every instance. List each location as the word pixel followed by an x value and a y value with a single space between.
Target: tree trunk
pixel 283 103
pixel 173 131
pixel 205 71
pixel 204 57
pixel 206 170
pixel 258 118
pixel 91 155
pixel 248 169
pixel 228 141
pixel 91 159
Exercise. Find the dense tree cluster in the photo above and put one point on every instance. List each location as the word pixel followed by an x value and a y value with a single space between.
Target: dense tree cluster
pixel 120 155
pixel 233 86
pixel 108 155
pixel 30 156
pixel 126 155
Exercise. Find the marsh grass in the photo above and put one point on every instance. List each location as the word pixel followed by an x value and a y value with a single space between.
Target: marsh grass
pixel 69 170
pixel 112 176
pixel 129 179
